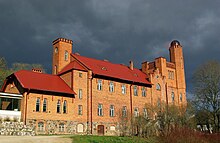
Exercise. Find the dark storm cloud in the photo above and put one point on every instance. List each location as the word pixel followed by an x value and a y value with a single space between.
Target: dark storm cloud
pixel 117 30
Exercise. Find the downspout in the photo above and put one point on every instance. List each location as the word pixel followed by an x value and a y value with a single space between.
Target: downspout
pixel 25 115
pixel 166 96
pixel 131 100
pixel 91 103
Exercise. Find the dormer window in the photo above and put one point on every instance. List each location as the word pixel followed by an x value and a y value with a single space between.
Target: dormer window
pixel 66 56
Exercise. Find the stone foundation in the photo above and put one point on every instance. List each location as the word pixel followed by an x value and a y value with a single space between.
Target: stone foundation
pixel 16 129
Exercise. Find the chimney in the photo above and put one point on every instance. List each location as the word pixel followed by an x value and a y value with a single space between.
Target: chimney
pixel 131 66
pixel 37 70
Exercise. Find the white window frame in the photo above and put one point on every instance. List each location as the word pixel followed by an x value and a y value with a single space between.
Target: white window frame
pixel 111 86
pixel 45 105
pixel 99 85
pixel 38 104
pixel 80 109
pixel 136 112
pixel 65 107
pixel 112 111
pixel 123 89
pixel 66 54
pixel 61 127
pixel 40 126
pixel 80 94
pixel 145 112
pixel 59 106
pixel 135 90
pixel 100 110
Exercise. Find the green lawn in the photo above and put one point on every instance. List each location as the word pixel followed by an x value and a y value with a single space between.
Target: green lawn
pixel 109 139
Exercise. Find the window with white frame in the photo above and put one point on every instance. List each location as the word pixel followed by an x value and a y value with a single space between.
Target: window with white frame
pixel 66 54
pixel 158 86
pixel 143 91
pixel 80 94
pixel 38 105
pixel 40 126
pixel 173 96
pixel 58 106
pixel 123 89
pixel 99 86
pixel 111 86
pixel 80 110
pixel 61 127
pixel 65 106
pixel 112 111
pixel 136 112
pixel 45 105
pixel 145 112
pixel 124 111
pixel 100 110
pixel 135 90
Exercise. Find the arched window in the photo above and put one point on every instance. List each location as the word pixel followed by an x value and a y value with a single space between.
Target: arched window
pixel 66 56
pixel 38 105
pixel 64 106
pixel 181 97
pixel 40 126
pixel 80 128
pixel 56 50
pixel 58 106
pixel 45 105
pixel 173 96
pixel 55 69
pixel 158 86
pixel 61 127
pixel 136 112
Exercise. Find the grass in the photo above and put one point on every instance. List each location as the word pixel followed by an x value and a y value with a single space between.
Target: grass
pixel 109 139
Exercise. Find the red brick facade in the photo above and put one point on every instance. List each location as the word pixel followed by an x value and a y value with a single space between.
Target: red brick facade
pixel 99 100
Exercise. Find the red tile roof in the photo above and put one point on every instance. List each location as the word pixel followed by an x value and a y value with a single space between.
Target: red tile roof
pixel 109 69
pixel 72 65
pixel 43 82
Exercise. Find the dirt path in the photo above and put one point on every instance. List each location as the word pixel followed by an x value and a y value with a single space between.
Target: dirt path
pixel 34 139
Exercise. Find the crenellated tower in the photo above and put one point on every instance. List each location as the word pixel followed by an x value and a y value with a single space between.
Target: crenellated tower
pixel 62 48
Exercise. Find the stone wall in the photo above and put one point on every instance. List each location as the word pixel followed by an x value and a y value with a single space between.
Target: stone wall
pixel 16 129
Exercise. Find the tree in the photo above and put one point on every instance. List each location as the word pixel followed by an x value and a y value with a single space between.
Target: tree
pixel 206 81
pixel 5 71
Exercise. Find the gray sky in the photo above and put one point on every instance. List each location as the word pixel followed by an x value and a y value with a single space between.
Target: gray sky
pixel 117 30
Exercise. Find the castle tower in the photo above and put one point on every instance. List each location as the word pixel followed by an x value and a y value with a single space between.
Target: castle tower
pixel 62 48
pixel 176 57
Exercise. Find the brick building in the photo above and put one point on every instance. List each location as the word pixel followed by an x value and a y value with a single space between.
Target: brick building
pixel 85 95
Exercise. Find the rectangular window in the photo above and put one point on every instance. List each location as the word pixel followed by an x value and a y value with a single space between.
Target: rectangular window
pixel 143 91
pixel 123 89
pixel 136 112
pixel 124 111
pixel 100 111
pixel 45 105
pixel 80 110
pixel 38 105
pixel 99 86
pixel 80 94
pixel 111 87
pixel 80 74
pixel 135 90
pixel 112 111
